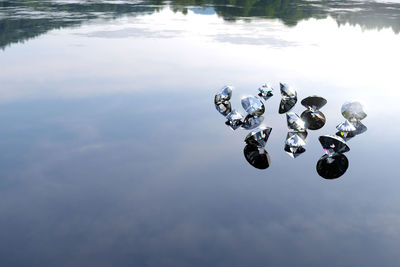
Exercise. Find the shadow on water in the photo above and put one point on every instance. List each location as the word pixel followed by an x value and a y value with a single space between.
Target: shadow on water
pixel 21 20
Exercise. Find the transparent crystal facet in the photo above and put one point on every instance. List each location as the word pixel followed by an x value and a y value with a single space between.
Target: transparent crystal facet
pixel 346 126
pixel 301 134
pixel 333 144
pixel 265 91
pixel 258 137
pixel 313 119
pixel 353 111
pixel 224 107
pixel 251 122
pixel 294 152
pixel 225 94
pixel 234 120
pixel 314 102
pixel 295 122
pixel 295 141
pixel 287 104
pixel 253 106
pixel 287 91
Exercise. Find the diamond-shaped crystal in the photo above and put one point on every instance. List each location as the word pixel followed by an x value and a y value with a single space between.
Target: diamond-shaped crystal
pixel 287 91
pixel 225 94
pixel 314 102
pixel 253 106
pixel 313 119
pixel 251 122
pixel 332 166
pixel 224 107
pixel 353 111
pixel 295 122
pixel 258 137
pixel 301 134
pixel 234 120
pixel 360 127
pixel 265 91
pixel 346 126
pixel 295 141
pixel 294 152
pixel 256 156
pixel 333 144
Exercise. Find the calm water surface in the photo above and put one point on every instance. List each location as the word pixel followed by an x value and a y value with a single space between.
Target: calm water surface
pixel 112 152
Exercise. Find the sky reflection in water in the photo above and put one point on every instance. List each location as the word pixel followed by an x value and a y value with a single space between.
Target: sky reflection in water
pixel 112 153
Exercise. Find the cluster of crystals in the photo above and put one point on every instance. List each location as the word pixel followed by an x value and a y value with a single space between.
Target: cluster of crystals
pixel 334 163
pixel 253 106
pixel 313 118
pixel 289 98
pixel 296 136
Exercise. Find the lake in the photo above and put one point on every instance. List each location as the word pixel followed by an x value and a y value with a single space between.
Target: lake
pixel 112 152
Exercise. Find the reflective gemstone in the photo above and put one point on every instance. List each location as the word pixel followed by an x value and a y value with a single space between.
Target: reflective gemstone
pixel 224 108
pixel 265 91
pixel 287 105
pixel 258 137
pixel 332 166
pixel 294 152
pixel 346 126
pixel 257 157
pixel 295 141
pixel 313 119
pixel 314 102
pixel 251 122
pixel 225 94
pixel 287 91
pixel 353 111
pixel 333 144
pixel 234 120
pixel 295 122
pixel 301 134
pixel 360 127
pixel 253 106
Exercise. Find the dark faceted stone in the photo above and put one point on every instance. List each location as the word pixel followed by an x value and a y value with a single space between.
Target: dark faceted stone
pixel 287 105
pixel 315 102
pixel 332 167
pixel 313 120
pixel 224 108
pixel 258 158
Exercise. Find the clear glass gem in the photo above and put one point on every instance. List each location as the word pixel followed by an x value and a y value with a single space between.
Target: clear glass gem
pixel 224 107
pixel 258 137
pixel 225 94
pixel 257 157
pixel 265 91
pixel 295 122
pixel 353 111
pixel 314 102
pixel 234 120
pixel 295 141
pixel 294 152
pixel 251 122
pixel 333 144
pixel 313 119
pixel 301 134
pixel 287 91
pixel 346 126
pixel 332 166
pixel 253 106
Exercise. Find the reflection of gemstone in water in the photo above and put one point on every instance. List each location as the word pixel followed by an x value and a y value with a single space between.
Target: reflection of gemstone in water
pixel 224 95
pixel 253 106
pixel 313 119
pixel 294 152
pixel 251 122
pixel 265 91
pixel 258 137
pixel 257 157
pixel 332 166
pixel 333 144
pixel 295 122
pixel 314 102
pixel 287 105
pixel 234 120
pixel 353 111
pixel 224 108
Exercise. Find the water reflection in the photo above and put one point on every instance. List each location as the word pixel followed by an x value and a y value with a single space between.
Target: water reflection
pixel 21 20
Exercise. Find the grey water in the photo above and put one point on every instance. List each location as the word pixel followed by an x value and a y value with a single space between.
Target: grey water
pixel 112 152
